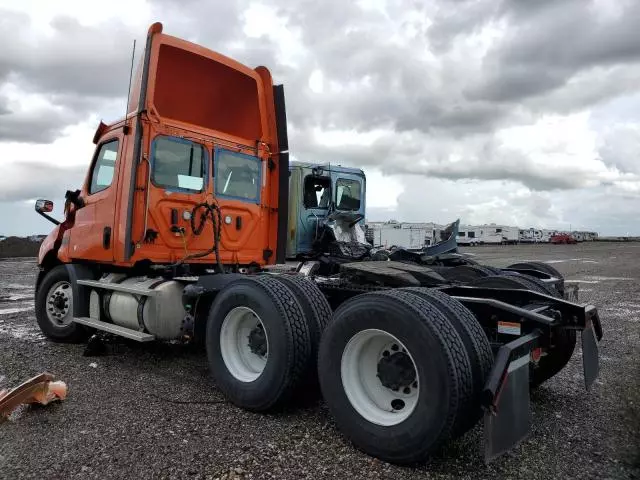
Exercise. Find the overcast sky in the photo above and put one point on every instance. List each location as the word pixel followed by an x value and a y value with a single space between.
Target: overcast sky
pixel 516 112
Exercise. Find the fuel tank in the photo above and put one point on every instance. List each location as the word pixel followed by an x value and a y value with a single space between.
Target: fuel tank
pixel 160 314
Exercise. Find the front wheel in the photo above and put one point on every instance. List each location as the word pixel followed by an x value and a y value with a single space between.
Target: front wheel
pixel 54 308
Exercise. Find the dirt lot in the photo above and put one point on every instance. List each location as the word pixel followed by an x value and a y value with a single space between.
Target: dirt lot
pixel 123 419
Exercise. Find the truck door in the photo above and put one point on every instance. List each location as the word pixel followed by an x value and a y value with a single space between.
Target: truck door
pixel 92 235
pixel 316 195
pixel 240 178
pixel 177 183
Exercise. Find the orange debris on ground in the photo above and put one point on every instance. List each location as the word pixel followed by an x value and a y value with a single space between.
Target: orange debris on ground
pixel 40 389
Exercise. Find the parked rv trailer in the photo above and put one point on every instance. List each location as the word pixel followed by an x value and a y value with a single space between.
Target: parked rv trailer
pixel 468 235
pixel 396 234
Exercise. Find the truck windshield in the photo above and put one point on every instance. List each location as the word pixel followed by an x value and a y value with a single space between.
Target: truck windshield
pixel 347 194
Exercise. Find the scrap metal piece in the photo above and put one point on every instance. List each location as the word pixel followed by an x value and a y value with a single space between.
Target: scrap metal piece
pixel 40 389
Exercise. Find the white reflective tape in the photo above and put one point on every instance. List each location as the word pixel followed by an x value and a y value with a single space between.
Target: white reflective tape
pixel 509 328
pixel 518 362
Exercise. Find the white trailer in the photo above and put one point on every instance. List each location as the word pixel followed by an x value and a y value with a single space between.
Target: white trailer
pixel 498 234
pixel 510 235
pixel 546 235
pixel 534 235
pixel 468 235
pixel 490 234
pixel 405 235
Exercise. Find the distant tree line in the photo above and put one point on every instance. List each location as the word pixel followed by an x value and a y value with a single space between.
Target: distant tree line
pixel 19 247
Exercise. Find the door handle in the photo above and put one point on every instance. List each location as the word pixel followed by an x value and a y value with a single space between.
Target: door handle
pixel 106 238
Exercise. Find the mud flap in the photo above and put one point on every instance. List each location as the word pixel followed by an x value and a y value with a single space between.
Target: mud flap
pixel 590 362
pixel 507 417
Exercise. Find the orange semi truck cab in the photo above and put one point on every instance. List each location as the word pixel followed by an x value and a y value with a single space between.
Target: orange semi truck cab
pixel 174 236
pixel 201 158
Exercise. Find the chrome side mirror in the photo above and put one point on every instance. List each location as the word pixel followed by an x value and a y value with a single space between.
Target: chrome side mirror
pixel 43 207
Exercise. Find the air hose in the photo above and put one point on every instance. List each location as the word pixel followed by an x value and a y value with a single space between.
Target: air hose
pixel 212 212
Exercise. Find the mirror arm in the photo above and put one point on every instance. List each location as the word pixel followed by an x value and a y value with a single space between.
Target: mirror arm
pixel 74 197
pixel 51 219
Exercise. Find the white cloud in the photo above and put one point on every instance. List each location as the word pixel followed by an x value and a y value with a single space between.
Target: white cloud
pixel 470 109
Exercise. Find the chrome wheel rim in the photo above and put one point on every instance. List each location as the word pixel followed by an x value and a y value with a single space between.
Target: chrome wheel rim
pixel 59 304
pixel 244 344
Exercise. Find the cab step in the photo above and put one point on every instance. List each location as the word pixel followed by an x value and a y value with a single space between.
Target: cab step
pixel 115 329
pixel 116 287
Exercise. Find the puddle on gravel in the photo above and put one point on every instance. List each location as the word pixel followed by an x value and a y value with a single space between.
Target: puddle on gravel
pixel 15 286
pixel 604 279
pixel 21 331
pixel 597 279
pixel 16 297
pixel 9 311
pixel 583 260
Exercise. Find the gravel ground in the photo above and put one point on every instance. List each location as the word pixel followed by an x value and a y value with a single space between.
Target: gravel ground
pixel 121 419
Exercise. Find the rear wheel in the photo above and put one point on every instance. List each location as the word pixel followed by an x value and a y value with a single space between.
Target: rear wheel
pixel 555 358
pixel 395 375
pixel 519 282
pixel 317 314
pixel 54 308
pixel 466 273
pixel 258 343
pixel 544 267
pixel 563 342
pixel 476 343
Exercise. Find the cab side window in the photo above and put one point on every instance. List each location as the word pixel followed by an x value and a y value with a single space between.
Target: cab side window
pixel 237 176
pixel 105 166
pixel 347 194
pixel 317 192
pixel 178 164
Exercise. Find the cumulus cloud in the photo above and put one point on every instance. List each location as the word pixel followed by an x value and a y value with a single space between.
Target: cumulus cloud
pixel 44 180
pixel 520 102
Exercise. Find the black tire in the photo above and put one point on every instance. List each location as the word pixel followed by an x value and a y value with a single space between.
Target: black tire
pixel 543 267
pixel 466 273
pixel 509 281
pixel 535 283
pixel 493 270
pixel 557 357
pixel 69 333
pixel 469 261
pixel 317 314
pixel 476 343
pixel 289 344
pixel 443 371
pixel 563 342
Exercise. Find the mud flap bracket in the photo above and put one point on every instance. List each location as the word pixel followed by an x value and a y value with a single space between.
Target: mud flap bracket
pixel 590 361
pixel 507 417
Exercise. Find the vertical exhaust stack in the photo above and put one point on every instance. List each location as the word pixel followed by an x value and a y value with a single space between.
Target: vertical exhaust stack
pixel 141 84
pixel 283 181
